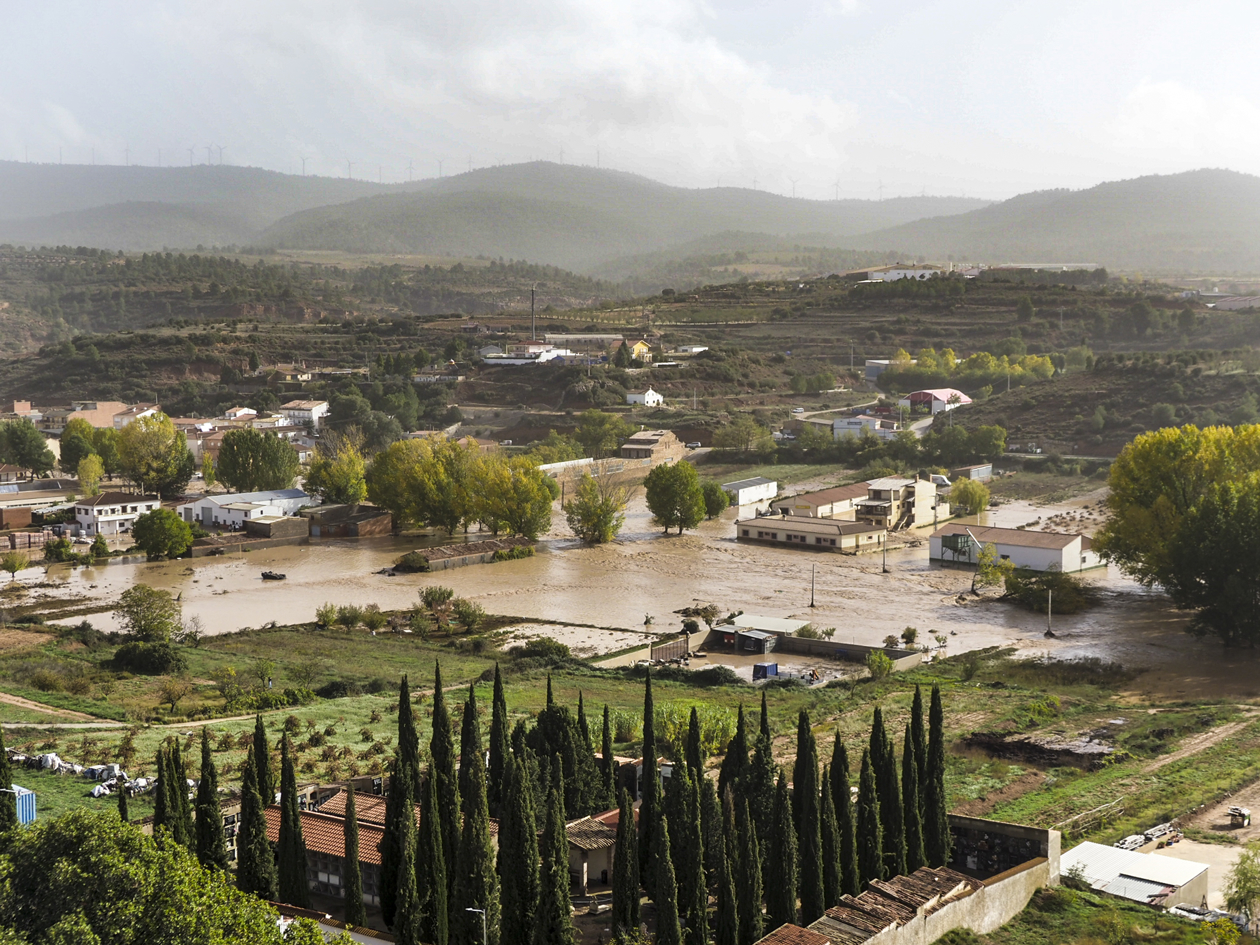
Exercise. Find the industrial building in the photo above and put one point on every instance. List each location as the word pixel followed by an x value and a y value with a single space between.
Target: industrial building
pixel 1143 877
pixel 817 534
pixel 1038 551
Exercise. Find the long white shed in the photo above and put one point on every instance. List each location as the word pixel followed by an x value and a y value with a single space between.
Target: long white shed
pixel 957 543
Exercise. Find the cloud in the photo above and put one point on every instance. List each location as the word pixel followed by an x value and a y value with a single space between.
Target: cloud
pixel 1169 120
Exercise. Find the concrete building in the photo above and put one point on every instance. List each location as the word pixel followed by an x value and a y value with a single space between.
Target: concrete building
pixel 817 534
pixel 865 424
pixel 645 398
pixel 895 273
pixel 209 509
pixel 234 515
pixel 956 543
pixel 691 349
pixel 751 491
pixel 894 504
pixel 592 845
pixel 99 413
pixel 660 446
pixel 305 412
pixel 112 513
pixel 1143 877
pixel 937 400
pixel 980 472
pixel 839 502
pixel 135 412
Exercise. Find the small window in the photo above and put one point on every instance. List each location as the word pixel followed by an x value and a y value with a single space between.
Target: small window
pixel 745 533
pixel 774 535
pixel 833 542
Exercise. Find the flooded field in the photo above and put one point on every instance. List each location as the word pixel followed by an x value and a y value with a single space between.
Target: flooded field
pixel 643 574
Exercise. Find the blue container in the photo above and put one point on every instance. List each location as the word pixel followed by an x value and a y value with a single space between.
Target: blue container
pixel 25 805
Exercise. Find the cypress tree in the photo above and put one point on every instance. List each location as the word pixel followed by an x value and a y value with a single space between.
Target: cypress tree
pixel 181 806
pixel 584 725
pixel 123 813
pixel 608 771
pixel 910 804
pixel 442 751
pixel 759 791
pixel 408 919
pixel 430 856
pixel 936 834
pixel 8 801
pixel 553 924
pixel 255 863
pixel 694 754
pixel 496 772
pixel 518 855
pixel 625 904
pixel 262 762
pixel 291 849
pixel 469 745
pixel 711 826
pixel 476 881
pixel 870 834
pixel 781 894
pixel 830 845
pixel 892 819
pixel 211 850
pixel 668 931
pixel 162 794
pixel 352 875
pixel 726 922
pixel 405 768
pixel 694 892
pixel 408 739
pixel 842 800
pixel 808 821
pixel 551 696
pixel 748 877
pixel 765 716
pixel 735 763
pixel 674 810
pixel 919 738
pixel 649 792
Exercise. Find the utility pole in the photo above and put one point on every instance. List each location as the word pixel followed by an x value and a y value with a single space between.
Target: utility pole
pixel 837 189
pixel 470 164
pixel 1049 608
pixel 813 569
pixel 793 188
pixel 885 551
pixel 533 332
pixel 221 149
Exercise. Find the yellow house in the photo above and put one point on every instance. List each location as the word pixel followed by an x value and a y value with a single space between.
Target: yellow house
pixel 641 351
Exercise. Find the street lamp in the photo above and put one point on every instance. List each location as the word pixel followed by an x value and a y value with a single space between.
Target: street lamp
pixel 483 922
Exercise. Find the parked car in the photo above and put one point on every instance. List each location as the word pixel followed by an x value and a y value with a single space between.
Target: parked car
pixel 798 410
pixel 940 480
pixel 694 445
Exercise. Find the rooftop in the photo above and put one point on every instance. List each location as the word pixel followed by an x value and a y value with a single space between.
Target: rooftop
pixel 325 834
pixel 1008 536
pixel 794 935
pixel 748 483
pixel 889 483
pixel 814 526
pixel 114 498
pixel 1103 864
pixel 590 834
pixel 770 624
pixel 304 404
pixel 857 490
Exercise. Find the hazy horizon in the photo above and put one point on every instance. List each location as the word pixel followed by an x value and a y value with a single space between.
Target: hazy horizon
pixel 827 97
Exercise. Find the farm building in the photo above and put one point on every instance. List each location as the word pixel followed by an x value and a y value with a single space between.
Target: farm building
pixel 826 503
pixel 797 531
pixel 980 472
pixel 751 491
pixel 1039 551
pixel 645 398
pixel 937 400
pixel 1143 877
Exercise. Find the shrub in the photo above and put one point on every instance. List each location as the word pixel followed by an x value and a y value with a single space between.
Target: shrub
pixel 261 700
pixel 413 562
pixel 339 689
pixel 909 635
pixel 543 648
pixel 373 619
pixel 326 615
pixel 436 596
pixel 878 664
pixel 348 616
pixel 45 681
pixel 512 554
pixel 626 726
pixel 469 613
pixel 1033 589
pixel 149 659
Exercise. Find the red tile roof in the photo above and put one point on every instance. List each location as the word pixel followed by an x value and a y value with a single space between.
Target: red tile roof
pixel 325 834
pixel 789 934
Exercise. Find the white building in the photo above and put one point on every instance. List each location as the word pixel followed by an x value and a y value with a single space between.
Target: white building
pixel 1148 878
pixel 112 513
pixel 691 349
pixel 936 400
pixel 751 491
pixel 647 398
pixel 305 412
pixel 124 417
pixel 211 510
pixel 1038 551
pixel 900 271
pixel 236 514
pixel 864 424
pixel 838 502
pixel 240 413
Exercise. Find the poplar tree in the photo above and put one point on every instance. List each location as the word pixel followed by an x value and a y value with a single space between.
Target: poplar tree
pixel 518 855
pixel 870 835
pixel 668 931
pixel 936 834
pixel 735 763
pixel 123 813
pixel 808 820
pixel 910 804
pixel 892 820
pixel 842 800
pixel 496 771
pixel 442 751
pixel 693 752
pixel 262 762
pixel 181 806
pixel 255 863
pixel 352 876
pixel 748 877
pixel 781 892
pixel 408 919
pixel 553 924
pixel 8 800
pixel 830 845
pixel 608 772
pixel 919 738
pixel 291 849
pixel 476 881
pixel 726 921
pixel 433 881
pixel 211 849
pixel 649 793
pixel 625 894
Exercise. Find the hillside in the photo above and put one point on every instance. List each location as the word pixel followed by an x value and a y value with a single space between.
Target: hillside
pixel 580 217
pixel 1195 221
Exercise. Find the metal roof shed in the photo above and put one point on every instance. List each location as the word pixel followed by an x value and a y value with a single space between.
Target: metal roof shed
pixel 769 624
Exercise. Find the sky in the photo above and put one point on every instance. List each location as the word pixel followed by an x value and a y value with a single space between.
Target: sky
pixel 821 98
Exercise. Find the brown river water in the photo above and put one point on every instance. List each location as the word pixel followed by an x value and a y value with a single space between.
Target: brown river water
pixel 643 573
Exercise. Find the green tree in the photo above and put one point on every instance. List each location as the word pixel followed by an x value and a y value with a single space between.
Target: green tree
pixel 555 448
pixel 1242 886
pixel 608 764
pixel 892 818
pixel 726 919
pixel 155 456
pixel 255 461
pixel 596 511
pixel 600 434
pixel 476 881
pixel 518 855
pixel 716 499
pixel 291 848
pixel 12 562
pixel 162 534
pixel 149 615
pixel 553 924
pixel 352 875
pixel 8 800
pixel 97 879
pixel 338 477
pixel 969 496
pixel 512 496
pixel 918 737
pixel 211 850
pixel 22 445
pixel 869 832
pixel 781 893
pixel 911 805
pixel 937 838
pixel 442 753
pixel 748 877
pixel 759 790
pixel 808 821
pixel 674 496
pixel 842 801
pixel 668 929
pixel 90 471
pixel 1024 311
pixel 262 763
pixel 434 881
pixel 499 750
pixel 75 448
pixel 105 443
pixel 991 568
pixel 833 880
pixel 649 791
pixel 625 892
pixel 743 433
pixel 123 813
pixel 255 863
pixel 182 808
pixel 408 915
pixel 735 761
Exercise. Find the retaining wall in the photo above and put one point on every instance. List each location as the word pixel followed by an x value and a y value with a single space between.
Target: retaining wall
pixel 848 652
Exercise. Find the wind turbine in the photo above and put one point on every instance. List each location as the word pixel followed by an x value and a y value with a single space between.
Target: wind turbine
pixel 350 170
pixel 190 155
pixel 793 187
pixel 439 167
pixel 221 149
pixel 303 167
pixel 837 188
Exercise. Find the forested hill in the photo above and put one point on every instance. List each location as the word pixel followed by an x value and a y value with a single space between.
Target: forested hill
pixel 1198 220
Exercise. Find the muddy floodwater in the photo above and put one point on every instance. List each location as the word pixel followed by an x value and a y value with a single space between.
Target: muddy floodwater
pixel 617 585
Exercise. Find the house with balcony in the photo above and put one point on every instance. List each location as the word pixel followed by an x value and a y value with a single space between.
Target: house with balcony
pixel 112 513
pixel 894 504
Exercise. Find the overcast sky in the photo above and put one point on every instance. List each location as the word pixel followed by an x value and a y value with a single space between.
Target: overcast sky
pixel 977 97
